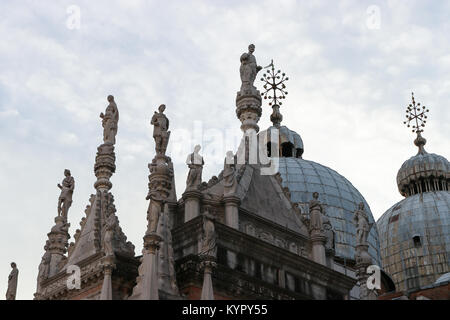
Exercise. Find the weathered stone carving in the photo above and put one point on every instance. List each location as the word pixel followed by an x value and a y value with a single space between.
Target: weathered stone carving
pixel 248 69
pixel 153 214
pixel 195 163
pixel 315 212
pixel 209 236
pixel 329 233
pixel 12 282
pixel 229 174
pixel 110 120
pixel 362 225
pixel 44 266
pixel 65 199
pixel 110 226
pixel 160 130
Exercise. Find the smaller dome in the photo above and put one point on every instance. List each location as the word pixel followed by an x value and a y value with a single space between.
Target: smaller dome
pixel 291 144
pixel 423 172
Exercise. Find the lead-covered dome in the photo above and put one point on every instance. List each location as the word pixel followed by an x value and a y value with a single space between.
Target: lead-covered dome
pixel 415 232
pixel 423 172
pixel 340 197
pixel 415 239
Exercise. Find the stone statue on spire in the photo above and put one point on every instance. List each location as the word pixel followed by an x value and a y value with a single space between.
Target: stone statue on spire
pixel 160 130
pixel 12 282
pixel 195 163
pixel 65 199
pixel 110 120
pixel 249 69
pixel 362 225
pixel 316 212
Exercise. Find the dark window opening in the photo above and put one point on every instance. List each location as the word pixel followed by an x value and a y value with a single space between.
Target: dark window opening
pixel 299 153
pixel 417 241
pixel 286 149
pixel 222 256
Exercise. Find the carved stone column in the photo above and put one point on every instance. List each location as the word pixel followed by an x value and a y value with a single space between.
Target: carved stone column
pixel 150 285
pixel 108 267
pixel 104 166
pixel 248 109
pixel 191 204
pixel 232 211
pixel 318 239
pixel 208 263
pixel 58 242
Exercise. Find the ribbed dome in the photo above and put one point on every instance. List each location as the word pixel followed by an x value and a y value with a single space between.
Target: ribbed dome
pixel 423 172
pixel 339 196
pixel 415 239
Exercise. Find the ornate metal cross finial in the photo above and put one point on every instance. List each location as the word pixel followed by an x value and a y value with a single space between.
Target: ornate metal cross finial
pixel 275 90
pixel 416 113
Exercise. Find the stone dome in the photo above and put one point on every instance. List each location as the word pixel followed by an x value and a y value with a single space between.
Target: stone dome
pixel 340 197
pixel 415 239
pixel 415 232
pixel 423 172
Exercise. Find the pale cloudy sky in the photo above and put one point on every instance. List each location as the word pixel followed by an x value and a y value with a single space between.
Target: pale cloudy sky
pixel 349 85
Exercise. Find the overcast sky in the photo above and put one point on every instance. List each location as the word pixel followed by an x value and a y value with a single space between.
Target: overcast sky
pixel 352 68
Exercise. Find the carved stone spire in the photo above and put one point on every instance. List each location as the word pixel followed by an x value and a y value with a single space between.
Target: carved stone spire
pixel 100 230
pixel 160 193
pixel 248 100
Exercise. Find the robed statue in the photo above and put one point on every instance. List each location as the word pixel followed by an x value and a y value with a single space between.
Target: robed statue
pixel 108 238
pixel 65 199
pixel 363 226
pixel 44 266
pixel 315 212
pixel 110 120
pixel 229 174
pixel 195 163
pixel 248 69
pixel 12 282
pixel 160 130
pixel 208 247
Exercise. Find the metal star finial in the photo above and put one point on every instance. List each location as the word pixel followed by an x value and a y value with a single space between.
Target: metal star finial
pixel 417 114
pixel 274 84
pixel 274 81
